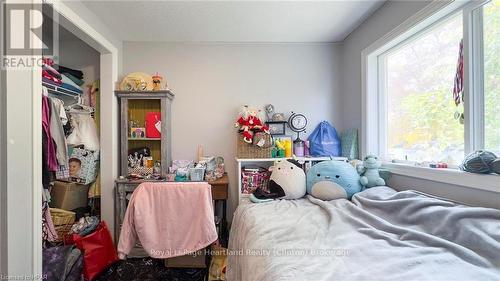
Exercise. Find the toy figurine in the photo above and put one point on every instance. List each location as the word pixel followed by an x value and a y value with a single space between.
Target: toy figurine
pixel 250 120
pixel 157 79
pixel 369 172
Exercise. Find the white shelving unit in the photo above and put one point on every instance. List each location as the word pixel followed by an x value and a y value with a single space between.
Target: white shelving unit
pixel 267 162
pixel 57 90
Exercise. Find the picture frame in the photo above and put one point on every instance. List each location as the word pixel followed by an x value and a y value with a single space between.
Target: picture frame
pixel 137 133
pixel 277 128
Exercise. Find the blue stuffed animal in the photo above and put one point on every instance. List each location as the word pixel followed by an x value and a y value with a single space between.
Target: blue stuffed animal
pixel 369 172
pixel 329 180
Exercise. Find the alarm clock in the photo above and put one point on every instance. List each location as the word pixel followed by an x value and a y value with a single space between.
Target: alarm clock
pixel 297 122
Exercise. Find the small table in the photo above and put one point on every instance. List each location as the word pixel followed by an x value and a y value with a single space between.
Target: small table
pixel 220 189
pixel 124 187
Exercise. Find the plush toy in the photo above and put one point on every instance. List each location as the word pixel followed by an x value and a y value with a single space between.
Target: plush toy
pixel 287 181
pixel 250 120
pixel 369 172
pixel 329 180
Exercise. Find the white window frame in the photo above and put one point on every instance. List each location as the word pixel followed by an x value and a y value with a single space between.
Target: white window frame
pixel 373 133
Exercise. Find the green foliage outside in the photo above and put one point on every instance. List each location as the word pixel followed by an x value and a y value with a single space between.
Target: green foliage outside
pixel 421 107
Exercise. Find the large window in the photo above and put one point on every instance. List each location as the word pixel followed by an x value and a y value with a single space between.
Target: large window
pixel 418 77
pixel 420 116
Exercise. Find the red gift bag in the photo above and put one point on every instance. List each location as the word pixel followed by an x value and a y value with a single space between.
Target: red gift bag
pixel 153 124
pixel 98 250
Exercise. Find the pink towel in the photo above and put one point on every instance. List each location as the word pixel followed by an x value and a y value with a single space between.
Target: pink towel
pixel 169 219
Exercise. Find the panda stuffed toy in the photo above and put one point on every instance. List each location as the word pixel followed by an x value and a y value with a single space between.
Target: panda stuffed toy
pixel 287 181
pixel 329 180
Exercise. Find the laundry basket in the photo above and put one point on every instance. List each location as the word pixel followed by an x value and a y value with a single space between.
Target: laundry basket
pixel 62 220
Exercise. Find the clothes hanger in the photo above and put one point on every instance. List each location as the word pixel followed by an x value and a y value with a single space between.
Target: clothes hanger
pixel 79 108
pixel 45 91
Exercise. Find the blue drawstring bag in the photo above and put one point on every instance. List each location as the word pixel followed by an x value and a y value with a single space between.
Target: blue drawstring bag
pixel 324 141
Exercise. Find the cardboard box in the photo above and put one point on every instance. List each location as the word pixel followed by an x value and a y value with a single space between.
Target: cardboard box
pixel 69 195
pixel 197 260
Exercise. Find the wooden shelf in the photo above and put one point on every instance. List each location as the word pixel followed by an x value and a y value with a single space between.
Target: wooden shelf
pixel 144 139
pixel 135 106
pixel 145 94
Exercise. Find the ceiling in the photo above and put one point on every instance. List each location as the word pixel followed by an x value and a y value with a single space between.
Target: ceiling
pixel 233 21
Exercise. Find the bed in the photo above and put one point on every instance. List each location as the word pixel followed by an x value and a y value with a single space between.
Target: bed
pixel 381 235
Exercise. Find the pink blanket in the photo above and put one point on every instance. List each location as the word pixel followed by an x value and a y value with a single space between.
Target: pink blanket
pixel 169 219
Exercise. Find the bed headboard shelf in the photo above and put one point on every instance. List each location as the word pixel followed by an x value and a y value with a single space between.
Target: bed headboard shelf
pixel 267 162
pixel 300 159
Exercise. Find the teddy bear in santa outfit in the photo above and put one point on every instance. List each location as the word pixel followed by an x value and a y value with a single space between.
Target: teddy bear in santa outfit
pixel 250 120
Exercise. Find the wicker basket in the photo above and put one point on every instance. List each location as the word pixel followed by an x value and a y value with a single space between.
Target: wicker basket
pixel 246 150
pixel 62 230
pixel 62 220
pixel 60 216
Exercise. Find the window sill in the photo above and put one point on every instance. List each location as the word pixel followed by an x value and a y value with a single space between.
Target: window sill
pixel 487 182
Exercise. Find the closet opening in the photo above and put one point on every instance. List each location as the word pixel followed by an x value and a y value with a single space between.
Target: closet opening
pixel 21 131
pixel 71 150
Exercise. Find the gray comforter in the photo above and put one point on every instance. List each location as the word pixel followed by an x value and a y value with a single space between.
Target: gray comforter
pixel 381 235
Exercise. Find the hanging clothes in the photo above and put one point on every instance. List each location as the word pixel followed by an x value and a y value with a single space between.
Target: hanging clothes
pixel 50 149
pixel 458 85
pixel 84 132
pixel 56 130
pixel 45 163
pixel 49 232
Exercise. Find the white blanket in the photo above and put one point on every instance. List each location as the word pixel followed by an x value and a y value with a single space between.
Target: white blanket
pixel 381 235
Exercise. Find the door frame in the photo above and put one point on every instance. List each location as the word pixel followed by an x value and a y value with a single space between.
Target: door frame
pixel 20 149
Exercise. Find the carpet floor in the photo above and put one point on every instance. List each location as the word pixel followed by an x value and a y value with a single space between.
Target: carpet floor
pixel 149 269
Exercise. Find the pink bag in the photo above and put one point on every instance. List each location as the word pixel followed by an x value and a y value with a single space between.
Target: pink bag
pixel 252 179
pixel 153 124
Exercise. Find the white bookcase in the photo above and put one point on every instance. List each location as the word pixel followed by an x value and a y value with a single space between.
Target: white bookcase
pixel 267 162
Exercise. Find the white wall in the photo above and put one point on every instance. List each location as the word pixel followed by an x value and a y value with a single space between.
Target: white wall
pixel 211 81
pixel 78 55
pixel 92 20
pixel 386 18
